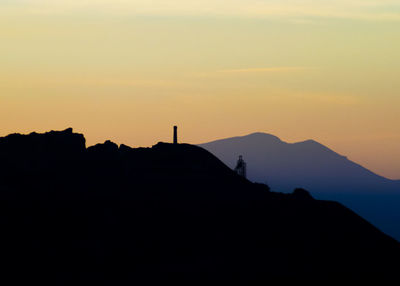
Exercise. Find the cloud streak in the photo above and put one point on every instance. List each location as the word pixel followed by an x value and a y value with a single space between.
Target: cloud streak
pixel 384 10
pixel 253 71
pixel 265 70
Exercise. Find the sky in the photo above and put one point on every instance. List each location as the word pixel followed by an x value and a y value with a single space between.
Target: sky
pixel 128 70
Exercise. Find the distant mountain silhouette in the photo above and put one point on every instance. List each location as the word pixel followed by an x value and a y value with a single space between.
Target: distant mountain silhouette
pixel 311 165
pixel 116 215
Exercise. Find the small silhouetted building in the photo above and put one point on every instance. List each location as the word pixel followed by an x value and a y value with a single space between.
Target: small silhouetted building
pixel 241 167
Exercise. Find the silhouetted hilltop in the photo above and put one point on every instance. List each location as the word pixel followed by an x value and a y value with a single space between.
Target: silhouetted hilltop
pixel 116 215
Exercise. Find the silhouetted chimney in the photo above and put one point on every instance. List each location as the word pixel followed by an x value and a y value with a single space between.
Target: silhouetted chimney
pixel 175 134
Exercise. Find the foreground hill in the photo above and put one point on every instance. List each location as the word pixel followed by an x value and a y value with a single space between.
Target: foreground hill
pixel 310 165
pixel 120 215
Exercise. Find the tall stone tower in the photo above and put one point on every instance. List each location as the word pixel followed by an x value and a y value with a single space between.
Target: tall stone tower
pixel 175 134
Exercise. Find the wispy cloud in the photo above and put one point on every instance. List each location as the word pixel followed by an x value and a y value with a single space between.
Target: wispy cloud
pixel 7 81
pixel 253 71
pixel 386 10
pixel 329 99
pixel 265 70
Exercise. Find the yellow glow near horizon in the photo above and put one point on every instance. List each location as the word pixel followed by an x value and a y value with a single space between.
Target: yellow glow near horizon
pixel 129 70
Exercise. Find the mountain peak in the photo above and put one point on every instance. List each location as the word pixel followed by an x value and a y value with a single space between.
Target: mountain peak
pixel 314 146
pixel 262 135
pixel 252 137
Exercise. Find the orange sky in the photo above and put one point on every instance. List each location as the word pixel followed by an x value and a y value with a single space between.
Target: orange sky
pixel 129 70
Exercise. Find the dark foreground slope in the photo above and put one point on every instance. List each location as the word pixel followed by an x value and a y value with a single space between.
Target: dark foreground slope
pixel 115 214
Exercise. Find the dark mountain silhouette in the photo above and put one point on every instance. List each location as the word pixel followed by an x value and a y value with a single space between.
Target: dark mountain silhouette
pixel 115 215
pixel 310 165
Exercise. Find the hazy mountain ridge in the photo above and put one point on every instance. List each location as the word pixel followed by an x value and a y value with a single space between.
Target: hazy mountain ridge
pixel 270 157
pixel 311 165
pixel 115 214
